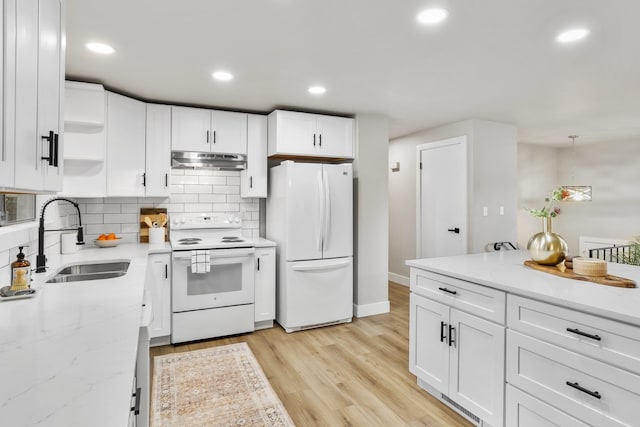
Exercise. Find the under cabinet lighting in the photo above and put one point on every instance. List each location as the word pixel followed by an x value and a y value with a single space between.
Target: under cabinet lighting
pixel 101 48
pixel 223 76
pixel 572 35
pixel 317 90
pixel 432 16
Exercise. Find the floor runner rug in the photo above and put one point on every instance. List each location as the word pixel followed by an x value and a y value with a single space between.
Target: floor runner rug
pixel 218 386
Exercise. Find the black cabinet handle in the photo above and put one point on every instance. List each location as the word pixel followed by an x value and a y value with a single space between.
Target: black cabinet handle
pixel 55 149
pixel 144 179
pixel 451 331
pixel 449 291
pixel 136 406
pixel 442 334
pixel 584 390
pixel 250 182
pixel 314 139
pixel 258 264
pixel 584 334
pixel 166 179
pixel 166 271
pixel 49 138
pixel 320 141
pixel 455 230
pixel 214 136
pixel 207 137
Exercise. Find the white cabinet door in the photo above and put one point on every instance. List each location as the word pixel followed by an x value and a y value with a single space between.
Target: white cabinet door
pixel 158 282
pixel 477 366
pixel 28 163
pixel 292 133
pixel 265 284
pixel 7 93
pixel 335 136
pixel 229 132
pixel 125 146
pixel 190 129
pixel 50 86
pixel 253 180
pixel 158 150
pixel 428 342
pixel 523 410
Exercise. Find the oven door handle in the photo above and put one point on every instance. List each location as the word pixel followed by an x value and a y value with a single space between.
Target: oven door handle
pixel 217 253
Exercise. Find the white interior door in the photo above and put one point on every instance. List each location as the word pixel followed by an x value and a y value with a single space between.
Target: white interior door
pixel 442 198
pixel 338 217
pixel 304 219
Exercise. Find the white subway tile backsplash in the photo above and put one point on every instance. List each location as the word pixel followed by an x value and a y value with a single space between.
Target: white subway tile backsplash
pixel 131 207
pixel 226 207
pixel 103 208
pixel 212 198
pixel 131 228
pixel 226 189
pixel 120 218
pixel 120 200
pixel 172 207
pixel 233 180
pixel 177 188
pixel 92 219
pixel 199 172
pixel 97 229
pixel 186 198
pixel 197 189
pixel 150 201
pixel 197 207
pixel 213 180
pixel 186 179
pixel 234 198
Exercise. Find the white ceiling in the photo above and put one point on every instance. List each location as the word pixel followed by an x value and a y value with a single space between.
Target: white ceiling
pixel 492 59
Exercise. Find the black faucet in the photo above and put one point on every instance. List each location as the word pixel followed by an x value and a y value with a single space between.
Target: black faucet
pixel 41 260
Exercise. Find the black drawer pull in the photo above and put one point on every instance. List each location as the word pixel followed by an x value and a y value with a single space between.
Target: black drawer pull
pixel 451 331
pixel 455 230
pixel 449 291
pixel 584 334
pixel 584 390
pixel 442 336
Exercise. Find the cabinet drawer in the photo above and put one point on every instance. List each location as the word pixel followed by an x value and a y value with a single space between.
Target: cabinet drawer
pixel 583 387
pixel 524 410
pixel 607 340
pixel 480 300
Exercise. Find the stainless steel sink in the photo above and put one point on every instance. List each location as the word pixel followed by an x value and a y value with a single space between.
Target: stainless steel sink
pixel 95 271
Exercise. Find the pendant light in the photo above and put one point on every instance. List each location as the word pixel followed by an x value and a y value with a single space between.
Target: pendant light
pixel 576 193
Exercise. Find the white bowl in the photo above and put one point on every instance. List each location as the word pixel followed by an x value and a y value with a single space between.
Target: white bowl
pixel 107 243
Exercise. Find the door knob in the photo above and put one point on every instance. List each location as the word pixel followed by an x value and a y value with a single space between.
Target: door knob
pixel 455 230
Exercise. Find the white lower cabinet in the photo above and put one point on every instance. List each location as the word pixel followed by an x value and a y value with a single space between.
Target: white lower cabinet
pixel 265 287
pixel 458 354
pixel 523 410
pixel 158 282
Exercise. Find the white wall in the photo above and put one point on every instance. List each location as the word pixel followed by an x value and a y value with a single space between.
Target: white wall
pixel 492 153
pixel 371 233
pixel 611 168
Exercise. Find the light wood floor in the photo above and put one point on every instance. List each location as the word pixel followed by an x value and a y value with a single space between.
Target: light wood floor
pixel 347 375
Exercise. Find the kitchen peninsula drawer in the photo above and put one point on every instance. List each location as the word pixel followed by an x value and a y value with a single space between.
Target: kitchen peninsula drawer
pixel 524 410
pixel 604 339
pixel 482 301
pixel 585 388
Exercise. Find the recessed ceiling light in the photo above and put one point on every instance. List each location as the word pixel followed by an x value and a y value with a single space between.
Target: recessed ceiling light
pixel 317 90
pixel 101 48
pixel 432 16
pixel 572 35
pixel 222 76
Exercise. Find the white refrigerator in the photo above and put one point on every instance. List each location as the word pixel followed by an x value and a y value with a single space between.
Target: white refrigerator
pixel 310 217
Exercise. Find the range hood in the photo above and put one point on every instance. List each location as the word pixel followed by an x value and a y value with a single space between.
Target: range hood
pixel 197 160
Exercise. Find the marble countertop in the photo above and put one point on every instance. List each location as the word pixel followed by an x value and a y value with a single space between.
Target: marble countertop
pixel 67 355
pixel 505 270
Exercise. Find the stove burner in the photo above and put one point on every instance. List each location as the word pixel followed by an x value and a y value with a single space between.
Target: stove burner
pixel 190 240
pixel 232 239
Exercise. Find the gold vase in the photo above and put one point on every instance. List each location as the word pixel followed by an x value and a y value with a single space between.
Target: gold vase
pixel 547 247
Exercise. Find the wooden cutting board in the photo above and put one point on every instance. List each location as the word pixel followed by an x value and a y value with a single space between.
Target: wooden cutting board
pixel 154 215
pixel 568 273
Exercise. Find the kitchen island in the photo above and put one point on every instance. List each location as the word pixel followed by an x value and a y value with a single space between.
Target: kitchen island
pixel 509 345
pixel 68 355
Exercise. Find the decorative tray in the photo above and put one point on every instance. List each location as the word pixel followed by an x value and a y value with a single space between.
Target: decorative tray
pixel 562 271
pixel 7 295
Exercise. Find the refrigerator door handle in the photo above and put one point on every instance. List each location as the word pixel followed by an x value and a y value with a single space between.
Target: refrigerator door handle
pixel 327 210
pixel 320 227
pixel 315 267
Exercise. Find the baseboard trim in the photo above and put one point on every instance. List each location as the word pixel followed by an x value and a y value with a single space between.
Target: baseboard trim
pixel 364 310
pixel 401 280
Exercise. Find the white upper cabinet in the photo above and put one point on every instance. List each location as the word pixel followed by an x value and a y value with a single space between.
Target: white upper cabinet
pixel 7 94
pixel 38 86
pixel 294 134
pixel 253 180
pixel 158 150
pixel 197 129
pixel 125 146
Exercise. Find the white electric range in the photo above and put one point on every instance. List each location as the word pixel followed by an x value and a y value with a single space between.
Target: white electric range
pixel 212 288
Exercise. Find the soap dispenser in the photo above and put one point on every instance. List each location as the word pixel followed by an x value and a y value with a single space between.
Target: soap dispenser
pixel 20 272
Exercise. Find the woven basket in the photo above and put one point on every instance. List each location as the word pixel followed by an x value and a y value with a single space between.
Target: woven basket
pixel 590 267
